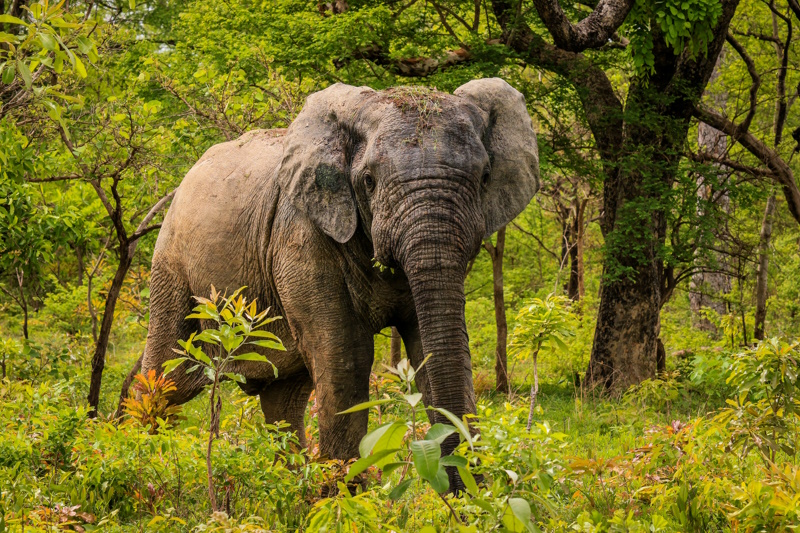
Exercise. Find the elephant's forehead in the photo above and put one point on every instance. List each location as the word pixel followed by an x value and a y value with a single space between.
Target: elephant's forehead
pixel 406 140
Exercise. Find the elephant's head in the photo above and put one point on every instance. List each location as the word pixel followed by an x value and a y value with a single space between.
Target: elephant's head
pixel 426 175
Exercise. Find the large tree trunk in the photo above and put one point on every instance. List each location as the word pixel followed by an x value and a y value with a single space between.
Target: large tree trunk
pixel 762 289
pixel 705 288
pixel 501 324
pixel 99 357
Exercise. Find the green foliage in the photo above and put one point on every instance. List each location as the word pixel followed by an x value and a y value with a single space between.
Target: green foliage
pixel 682 24
pixel 542 324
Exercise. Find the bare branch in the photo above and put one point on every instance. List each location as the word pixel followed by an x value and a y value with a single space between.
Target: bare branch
pixel 143 227
pixel 756 84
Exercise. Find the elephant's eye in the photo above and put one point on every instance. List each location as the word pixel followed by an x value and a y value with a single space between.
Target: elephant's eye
pixel 487 175
pixel 369 182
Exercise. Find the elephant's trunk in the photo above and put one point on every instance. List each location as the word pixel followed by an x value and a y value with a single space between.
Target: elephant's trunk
pixel 434 251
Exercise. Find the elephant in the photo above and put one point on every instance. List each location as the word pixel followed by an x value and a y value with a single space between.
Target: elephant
pixel 363 214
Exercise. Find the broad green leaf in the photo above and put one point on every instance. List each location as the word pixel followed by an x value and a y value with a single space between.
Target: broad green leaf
pixel 391 467
pixel 517 515
pixel 440 483
pixel 365 462
pixel 369 441
pixel 365 405
pixel 483 504
pixel 172 364
pixel 400 489
pixel 439 432
pixel 79 67
pixel 453 460
pixel 426 455
pixel 8 19
pixel 459 424
pixel 264 334
pixel 25 73
pixel 48 41
pixel 9 71
pixel 234 377
pixel 273 345
pixel 468 479
pixel 250 356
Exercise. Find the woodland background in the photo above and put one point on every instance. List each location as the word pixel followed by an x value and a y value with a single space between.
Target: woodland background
pixel 650 291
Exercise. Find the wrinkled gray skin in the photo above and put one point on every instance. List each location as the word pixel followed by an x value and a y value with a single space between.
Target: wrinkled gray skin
pixel 411 179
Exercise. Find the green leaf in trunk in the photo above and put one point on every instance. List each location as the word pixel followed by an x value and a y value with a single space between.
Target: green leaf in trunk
pixel 426 454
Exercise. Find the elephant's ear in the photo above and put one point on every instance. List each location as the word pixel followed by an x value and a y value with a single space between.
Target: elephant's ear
pixel 314 171
pixel 511 143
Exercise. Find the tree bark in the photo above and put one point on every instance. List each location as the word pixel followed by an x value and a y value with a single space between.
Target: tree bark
pixel 396 347
pixel 127 250
pixel 501 347
pixel 763 268
pixel 575 287
pixel 99 357
pixel 705 288
pixel 23 302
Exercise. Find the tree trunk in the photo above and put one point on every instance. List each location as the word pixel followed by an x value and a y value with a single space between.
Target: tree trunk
pixel 23 302
pixel 501 347
pixel 625 347
pixel 705 288
pixel 81 267
pixel 397 345
pixel 99 357
pixel 763 267
pixel 575 287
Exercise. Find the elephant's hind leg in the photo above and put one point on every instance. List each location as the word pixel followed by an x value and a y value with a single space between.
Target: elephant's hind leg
pixel 287 399
pixel 170 303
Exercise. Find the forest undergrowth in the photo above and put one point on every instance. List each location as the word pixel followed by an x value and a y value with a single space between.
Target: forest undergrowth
pixel 710 445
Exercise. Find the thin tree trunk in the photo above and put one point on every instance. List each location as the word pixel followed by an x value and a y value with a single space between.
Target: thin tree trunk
pixel 501 347
pixel 763 267
pixel 579 245
pixel 534 388
pixel 99 357
pixel 81 266
pixel 23 302
pixel 397 346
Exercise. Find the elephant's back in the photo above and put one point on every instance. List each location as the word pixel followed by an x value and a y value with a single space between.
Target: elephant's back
pixel 220 198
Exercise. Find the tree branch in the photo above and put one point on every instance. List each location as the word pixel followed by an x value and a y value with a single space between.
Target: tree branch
pixel 756 83
pixel 782 172
pixel 143 227
pixel 592 32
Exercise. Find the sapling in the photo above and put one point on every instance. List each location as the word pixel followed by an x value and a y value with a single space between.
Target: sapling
pixel 237 321
pixel 539 324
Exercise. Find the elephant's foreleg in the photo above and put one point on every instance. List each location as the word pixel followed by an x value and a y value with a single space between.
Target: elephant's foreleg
pixel 286 400
pixel 342 362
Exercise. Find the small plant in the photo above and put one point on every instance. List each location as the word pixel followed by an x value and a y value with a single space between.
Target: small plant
pixel 394 446
pixel 658 393
pixel 236 322
pixel 540 324
pixel 765 410
pixel 150 408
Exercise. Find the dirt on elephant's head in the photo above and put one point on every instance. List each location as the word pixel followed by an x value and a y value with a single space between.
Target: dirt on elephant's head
pixel 425 102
